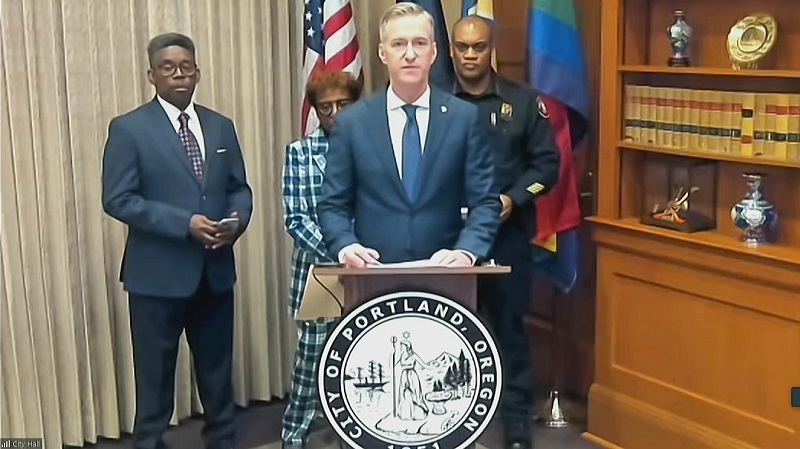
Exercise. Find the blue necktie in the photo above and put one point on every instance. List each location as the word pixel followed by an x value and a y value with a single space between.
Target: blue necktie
pixel 412 152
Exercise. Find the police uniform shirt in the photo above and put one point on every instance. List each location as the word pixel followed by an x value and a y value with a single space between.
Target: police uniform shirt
pixel 519 133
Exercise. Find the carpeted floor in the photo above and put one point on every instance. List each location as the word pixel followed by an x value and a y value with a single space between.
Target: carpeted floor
pixel 259 427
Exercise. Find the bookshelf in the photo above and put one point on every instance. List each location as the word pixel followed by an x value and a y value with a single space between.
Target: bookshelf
pixel 694 329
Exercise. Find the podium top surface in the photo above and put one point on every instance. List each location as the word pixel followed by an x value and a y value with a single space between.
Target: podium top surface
pixel 421 271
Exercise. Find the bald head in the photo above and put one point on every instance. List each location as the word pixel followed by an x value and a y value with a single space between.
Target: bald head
pixel 471 49
pixel 474 24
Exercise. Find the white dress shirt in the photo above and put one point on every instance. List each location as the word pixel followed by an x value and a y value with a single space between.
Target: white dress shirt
pixel 398 118
pixel 194 123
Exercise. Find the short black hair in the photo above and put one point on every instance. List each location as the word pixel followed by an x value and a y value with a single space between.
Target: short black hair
pixel 163 41
pixel 476 18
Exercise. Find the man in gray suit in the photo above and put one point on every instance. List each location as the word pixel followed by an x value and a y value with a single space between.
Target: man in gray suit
pixel 173 172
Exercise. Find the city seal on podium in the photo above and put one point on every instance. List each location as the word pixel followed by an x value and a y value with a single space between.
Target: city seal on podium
pixel 410 370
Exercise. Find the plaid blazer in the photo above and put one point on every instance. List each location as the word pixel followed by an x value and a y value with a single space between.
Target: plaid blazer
pixel 303 173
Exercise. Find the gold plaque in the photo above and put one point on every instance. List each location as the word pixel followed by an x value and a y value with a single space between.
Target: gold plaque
pixel 751 39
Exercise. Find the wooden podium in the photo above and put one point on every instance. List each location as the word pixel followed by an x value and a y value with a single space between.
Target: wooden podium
pixel 421 323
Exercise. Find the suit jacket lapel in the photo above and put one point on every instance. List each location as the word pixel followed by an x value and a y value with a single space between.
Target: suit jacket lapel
pixel 383 142
pixel 436 133
pixel 163 127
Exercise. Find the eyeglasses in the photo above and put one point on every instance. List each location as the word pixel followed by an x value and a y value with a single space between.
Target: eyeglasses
pixel 188 69
pixel 327 108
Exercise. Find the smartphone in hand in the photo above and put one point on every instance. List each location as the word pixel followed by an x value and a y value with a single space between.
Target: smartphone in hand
pixel 230 224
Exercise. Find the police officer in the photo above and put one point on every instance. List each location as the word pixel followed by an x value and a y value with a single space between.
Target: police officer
pixel 527 165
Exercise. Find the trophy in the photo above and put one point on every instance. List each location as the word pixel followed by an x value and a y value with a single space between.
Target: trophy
pixel 677 215
pixel 678 194
pixel 750 40
pixel 679 33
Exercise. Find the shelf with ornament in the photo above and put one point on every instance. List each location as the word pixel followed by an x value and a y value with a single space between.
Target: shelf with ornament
pixel 712 38
pixel 709 71
pixel 710 202
pixel 710 239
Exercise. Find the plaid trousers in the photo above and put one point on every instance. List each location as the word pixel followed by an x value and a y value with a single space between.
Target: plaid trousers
pixel 304 404
pixel 303 174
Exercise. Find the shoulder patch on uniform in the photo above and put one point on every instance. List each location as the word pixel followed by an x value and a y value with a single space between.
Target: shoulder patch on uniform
pixel 535 188
pixel 542 108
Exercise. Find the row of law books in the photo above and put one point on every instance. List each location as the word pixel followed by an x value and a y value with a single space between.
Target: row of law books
pixel 764 125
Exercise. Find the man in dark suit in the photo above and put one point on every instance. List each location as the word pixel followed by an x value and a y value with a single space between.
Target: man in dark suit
pixel 402 162
pixel 172 171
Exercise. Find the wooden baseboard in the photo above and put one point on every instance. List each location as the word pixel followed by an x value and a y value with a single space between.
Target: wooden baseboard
pixel 619 421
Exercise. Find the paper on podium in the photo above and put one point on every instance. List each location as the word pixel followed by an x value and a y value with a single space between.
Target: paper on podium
pixel 320 297
pixel 421 263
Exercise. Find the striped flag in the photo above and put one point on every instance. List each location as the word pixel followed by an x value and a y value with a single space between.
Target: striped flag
pixel 442 72
pixel 329 43
pixel 483 8
pixel 557 69
pixel 556 61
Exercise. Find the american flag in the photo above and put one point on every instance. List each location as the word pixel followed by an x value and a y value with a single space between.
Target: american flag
pixel 330 43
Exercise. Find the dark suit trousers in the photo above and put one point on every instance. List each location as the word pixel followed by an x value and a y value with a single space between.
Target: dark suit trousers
pixel 156 325
pixel 505 300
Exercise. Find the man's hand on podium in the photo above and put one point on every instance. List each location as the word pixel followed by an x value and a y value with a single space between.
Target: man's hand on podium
pixel 357 256
pixel 453 258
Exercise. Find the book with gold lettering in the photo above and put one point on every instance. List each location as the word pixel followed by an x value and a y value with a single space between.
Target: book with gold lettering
pixel 673 118
pixel 629 113
pixel 660 102
pixel 705 118
pixel 770 124
pixel 685 129
pixel 793 136
pixel 714 98
pixel 694 119
pixel 748 123
pixel 726 101
pixel 649 102
pixel 736 122
pixel 760 124
pixel 781 130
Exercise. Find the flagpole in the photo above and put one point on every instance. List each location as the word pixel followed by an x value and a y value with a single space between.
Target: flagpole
pixel 552 414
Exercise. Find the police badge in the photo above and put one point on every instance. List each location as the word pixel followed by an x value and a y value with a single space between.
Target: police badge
pixel 542 108
pixel 506 111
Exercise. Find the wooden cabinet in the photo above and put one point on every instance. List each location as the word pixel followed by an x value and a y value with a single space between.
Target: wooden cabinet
pixel 697 334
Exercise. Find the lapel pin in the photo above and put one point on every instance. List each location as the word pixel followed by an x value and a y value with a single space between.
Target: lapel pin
pixel 444 108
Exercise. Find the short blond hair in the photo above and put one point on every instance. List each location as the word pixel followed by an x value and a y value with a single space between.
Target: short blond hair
pixel 404 9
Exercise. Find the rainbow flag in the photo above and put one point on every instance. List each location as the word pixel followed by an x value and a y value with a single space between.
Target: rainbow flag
pixel 556 57
pixel 483 8
pixel 557 68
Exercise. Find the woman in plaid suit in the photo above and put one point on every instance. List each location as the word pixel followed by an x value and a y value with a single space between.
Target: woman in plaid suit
pixel 303 172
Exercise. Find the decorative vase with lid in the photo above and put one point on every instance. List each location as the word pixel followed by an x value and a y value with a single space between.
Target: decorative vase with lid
pixel 754 215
